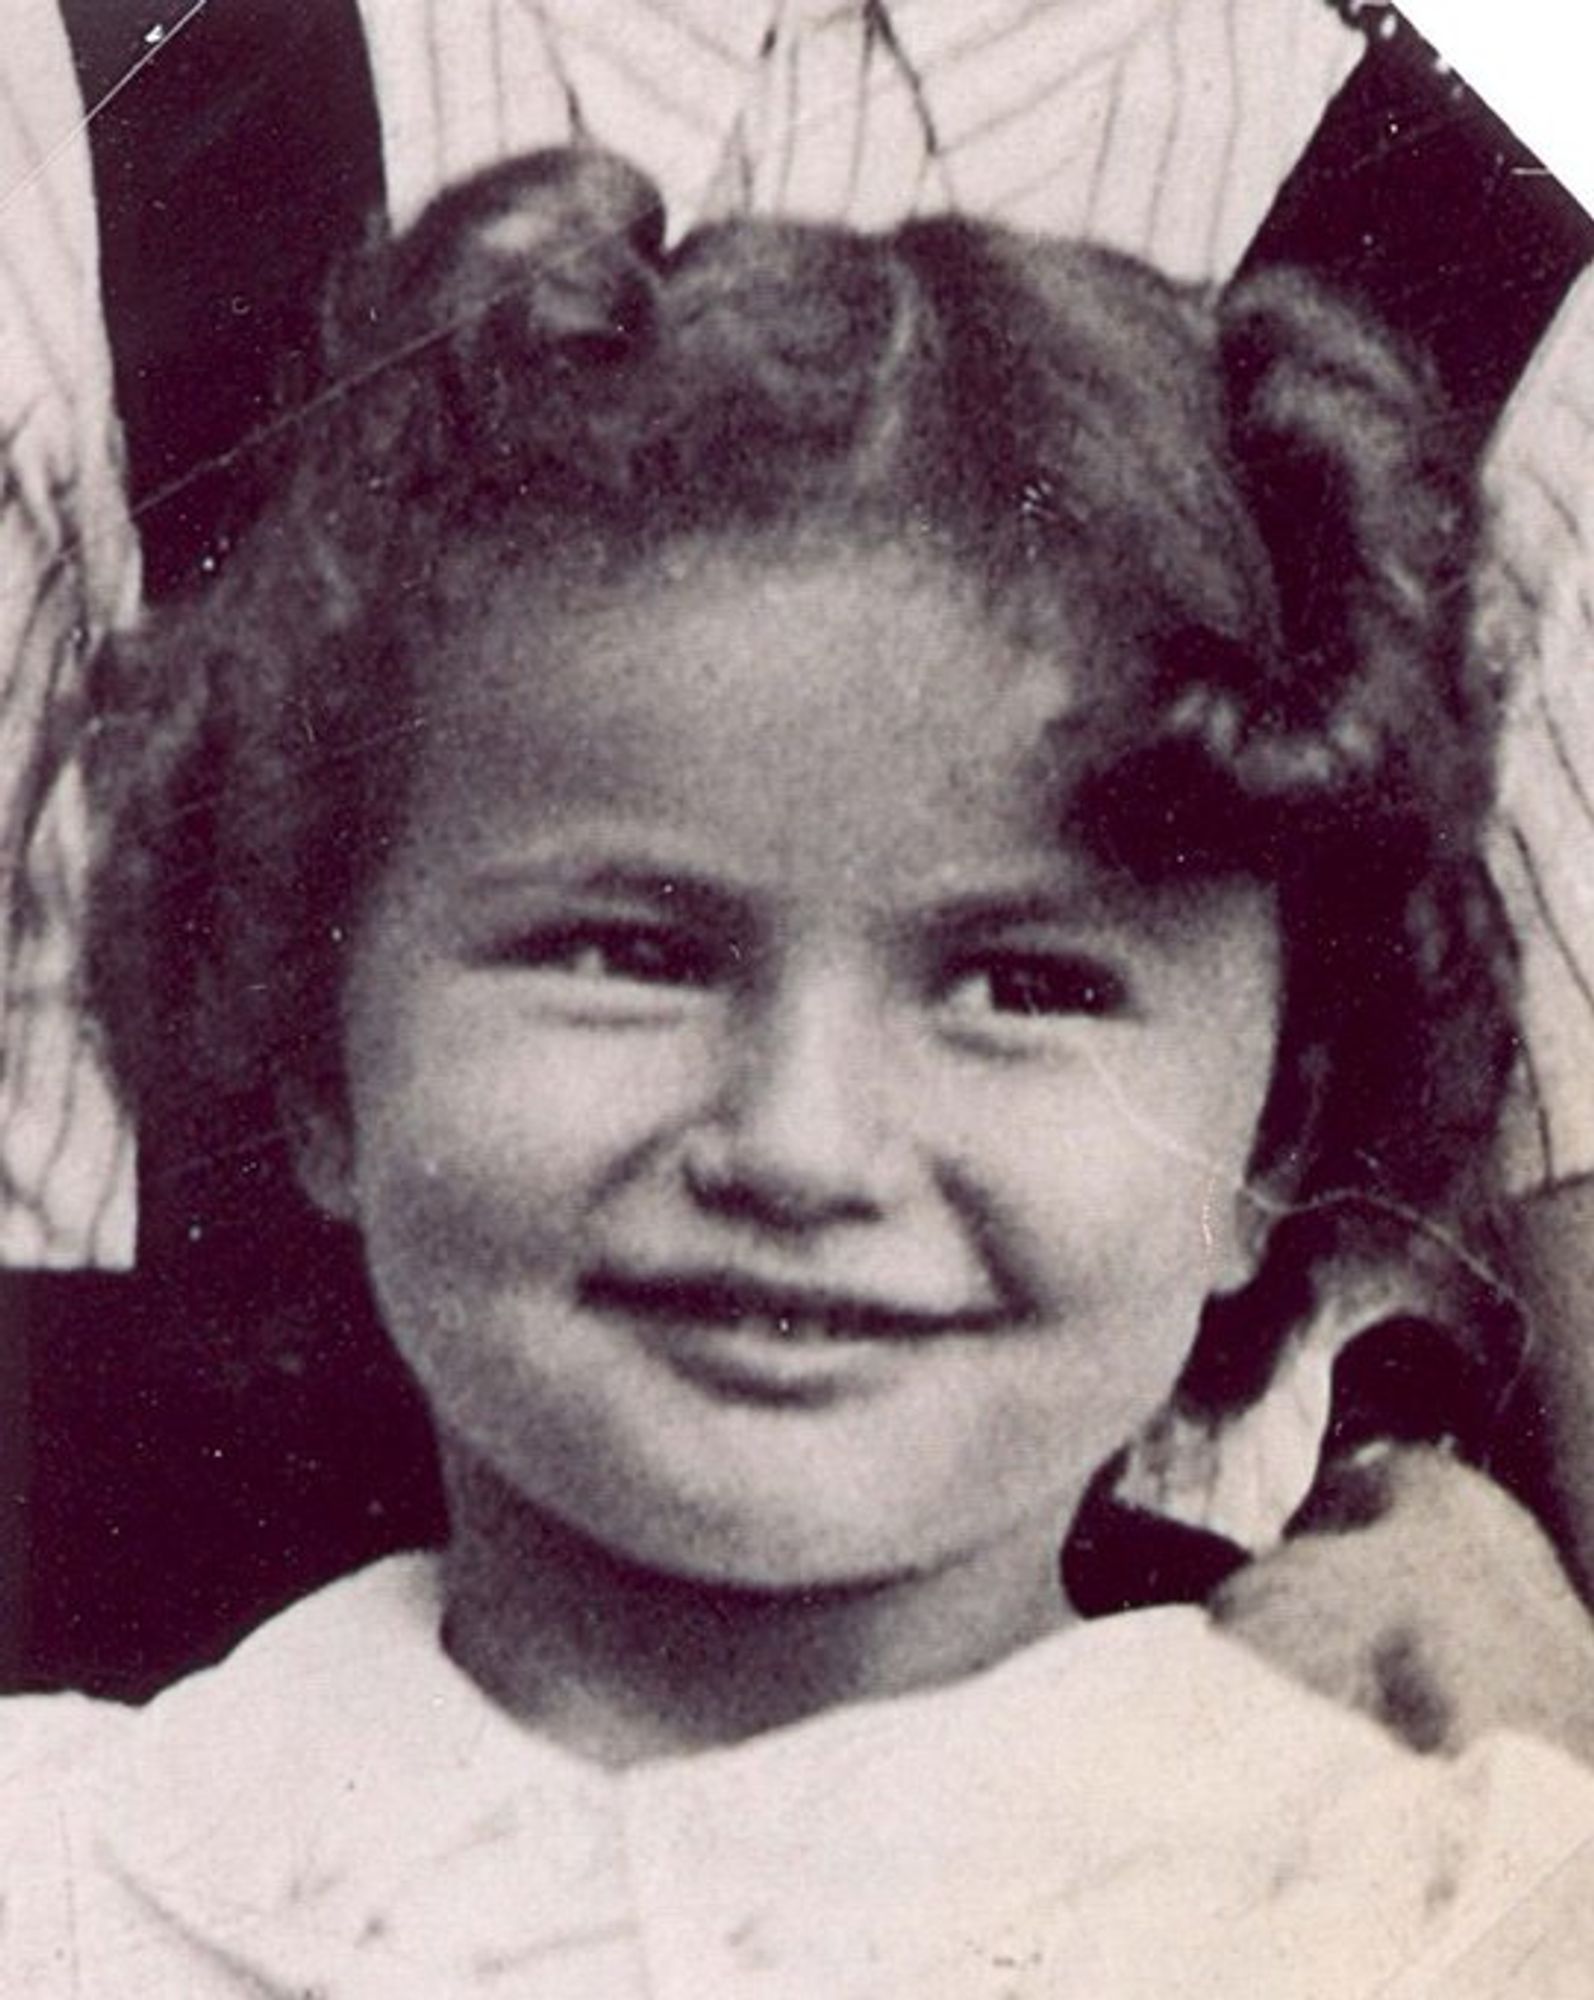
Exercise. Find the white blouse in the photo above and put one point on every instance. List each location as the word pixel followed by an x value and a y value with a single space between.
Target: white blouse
pixel 1132 1808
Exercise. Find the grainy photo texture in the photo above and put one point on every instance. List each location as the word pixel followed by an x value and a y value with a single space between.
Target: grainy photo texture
pixel 795 1129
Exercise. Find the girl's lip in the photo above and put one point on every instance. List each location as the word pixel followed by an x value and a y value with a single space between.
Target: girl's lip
pixel 710 1299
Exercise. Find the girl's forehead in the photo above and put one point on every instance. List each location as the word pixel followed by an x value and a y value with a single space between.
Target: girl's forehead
pixel 883 625
pixel 861 710
pixel 587 577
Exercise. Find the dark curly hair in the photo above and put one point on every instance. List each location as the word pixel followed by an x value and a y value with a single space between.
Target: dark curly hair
pixel 1253 488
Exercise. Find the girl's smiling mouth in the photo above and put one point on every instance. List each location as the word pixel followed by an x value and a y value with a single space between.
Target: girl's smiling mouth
pixel 727 1300
pixel 742 1337
pixel 787 1347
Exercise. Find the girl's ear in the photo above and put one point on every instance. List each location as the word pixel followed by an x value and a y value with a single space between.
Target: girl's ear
pixel 322 1152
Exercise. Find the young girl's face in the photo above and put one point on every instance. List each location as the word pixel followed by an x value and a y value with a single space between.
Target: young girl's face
pixel 779 1157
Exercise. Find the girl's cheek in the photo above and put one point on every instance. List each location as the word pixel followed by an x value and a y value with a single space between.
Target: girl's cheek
pixel 1107 1174
pixel 497 1130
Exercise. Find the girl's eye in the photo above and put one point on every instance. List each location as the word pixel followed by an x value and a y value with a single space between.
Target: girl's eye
pixel 633 954
pixel 1037 984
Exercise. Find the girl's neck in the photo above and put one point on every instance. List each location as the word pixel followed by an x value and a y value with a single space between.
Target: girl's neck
pixel 620 1664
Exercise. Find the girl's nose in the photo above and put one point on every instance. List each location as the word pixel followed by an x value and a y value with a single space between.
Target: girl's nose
pixel 801 1134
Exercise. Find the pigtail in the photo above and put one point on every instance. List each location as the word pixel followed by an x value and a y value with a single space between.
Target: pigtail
pixel 1379 708
pixel 1355 697
pixel 1367 737
pixel 1364 503
pixel 488 348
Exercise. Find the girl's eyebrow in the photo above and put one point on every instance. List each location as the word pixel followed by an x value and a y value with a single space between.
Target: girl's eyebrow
pixel 1081 901
pixel 1079 896
pixel 597 872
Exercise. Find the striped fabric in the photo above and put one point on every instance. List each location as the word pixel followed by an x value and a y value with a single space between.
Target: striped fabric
pixel 1162 126
pixel 1541 481
pixel 68 569
pixel 1164 129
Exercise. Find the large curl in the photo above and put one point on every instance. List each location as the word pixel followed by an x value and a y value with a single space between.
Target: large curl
pixel 1253 490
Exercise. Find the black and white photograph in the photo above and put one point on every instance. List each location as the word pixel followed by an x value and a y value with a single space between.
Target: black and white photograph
pixel 796 1002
